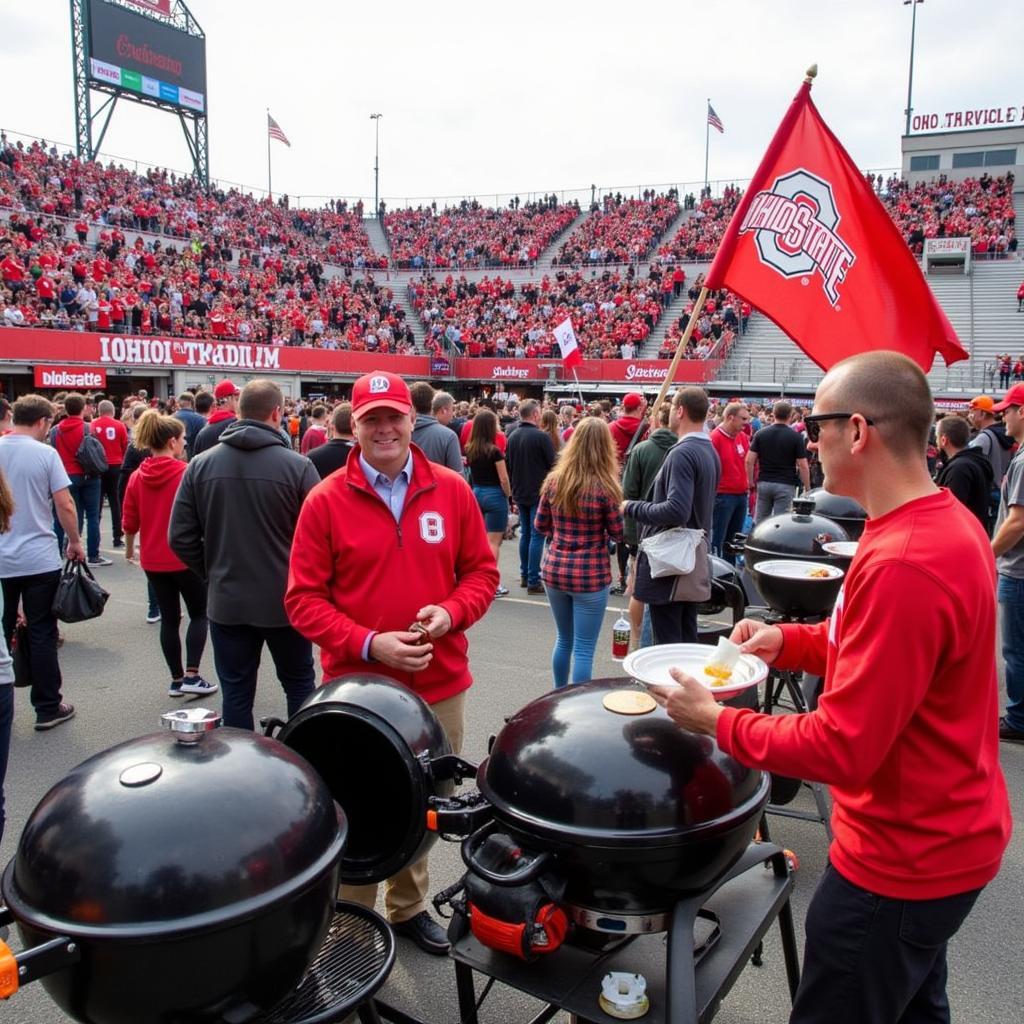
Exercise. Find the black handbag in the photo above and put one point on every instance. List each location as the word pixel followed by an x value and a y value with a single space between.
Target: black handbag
pixel 20 655
pixel 79 596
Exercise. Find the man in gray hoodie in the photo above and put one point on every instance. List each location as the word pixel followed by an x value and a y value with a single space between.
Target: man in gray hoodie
pixel 437 442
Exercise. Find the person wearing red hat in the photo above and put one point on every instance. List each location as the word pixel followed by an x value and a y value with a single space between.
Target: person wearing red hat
pixel 226 395
pixel 388 540
pixel 994 442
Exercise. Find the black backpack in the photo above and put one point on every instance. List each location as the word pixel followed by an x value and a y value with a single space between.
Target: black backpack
pixel 91 455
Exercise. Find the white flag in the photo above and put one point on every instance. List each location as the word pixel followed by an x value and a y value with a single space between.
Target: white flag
pixel 566 338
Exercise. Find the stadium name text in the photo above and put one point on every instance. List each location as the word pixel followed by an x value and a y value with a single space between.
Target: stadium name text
pixel 157 352
pixel 144 55
pixel 983 117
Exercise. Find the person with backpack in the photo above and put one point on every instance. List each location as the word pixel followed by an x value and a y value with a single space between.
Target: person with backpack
pixel 995 444
pixel 85 462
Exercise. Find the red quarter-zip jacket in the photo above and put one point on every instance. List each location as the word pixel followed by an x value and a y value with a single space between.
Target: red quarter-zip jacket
pixel 147 511
pixel 355 570
pixel 906 731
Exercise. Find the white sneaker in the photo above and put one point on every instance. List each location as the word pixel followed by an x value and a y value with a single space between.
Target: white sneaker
pixel 197 684
pixel 154 617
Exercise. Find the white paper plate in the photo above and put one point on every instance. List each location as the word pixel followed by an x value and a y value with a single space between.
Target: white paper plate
pixel 792 570
pixel 842 548
pixel 650 666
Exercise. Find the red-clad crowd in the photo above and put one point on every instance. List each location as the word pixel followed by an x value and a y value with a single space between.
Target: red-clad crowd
pixel 978 208
pixel 612 313
pixel 699 235
pixel 621 230
pixel 472 236
pixel 722 317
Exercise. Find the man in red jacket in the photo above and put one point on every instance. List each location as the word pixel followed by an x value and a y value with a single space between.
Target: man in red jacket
pixel 113 435
pixel 732 442
pixel 906 732
pixel 388 540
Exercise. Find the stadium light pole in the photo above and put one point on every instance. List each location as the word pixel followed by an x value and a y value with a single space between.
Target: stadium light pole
pixel 375 118
pixel 912 4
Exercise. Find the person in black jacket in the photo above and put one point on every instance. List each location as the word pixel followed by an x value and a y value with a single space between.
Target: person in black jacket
pixel 232 523
pixel 530 456
pixel 330 457
pixel 226 394
pixel 967 471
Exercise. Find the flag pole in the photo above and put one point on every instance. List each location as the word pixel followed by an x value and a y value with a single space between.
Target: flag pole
pixel 680 348
pixel 270 193
pixel 707 138
pixel 579 389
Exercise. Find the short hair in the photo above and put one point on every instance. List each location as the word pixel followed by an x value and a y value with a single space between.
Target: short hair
pixel 693 402
pixel 422 397
pixel 663 410
pixel 74 404
pixel 782 410
pixel 441 400
pixel 955 429
pixel 528 408
pixel 341 420
pixel 155 431
pixel 204 402
pixel 30 409
pixel 259 400
pixel 186 399
pixel 732 409
pixel 5 408
pixel 319 411
pixel 892 391
pixel 105 408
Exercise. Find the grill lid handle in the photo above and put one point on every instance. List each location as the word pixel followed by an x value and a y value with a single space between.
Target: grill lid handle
pixel 189 725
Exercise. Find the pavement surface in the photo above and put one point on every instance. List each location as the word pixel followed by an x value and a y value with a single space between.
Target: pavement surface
pixel 116 678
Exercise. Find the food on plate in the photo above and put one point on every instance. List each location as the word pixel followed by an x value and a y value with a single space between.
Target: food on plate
pixel 819 574
pixel 719 676
pixel 722 661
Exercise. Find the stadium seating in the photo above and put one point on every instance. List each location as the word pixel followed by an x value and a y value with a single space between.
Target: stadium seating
pixel 620 231
pixel 698 236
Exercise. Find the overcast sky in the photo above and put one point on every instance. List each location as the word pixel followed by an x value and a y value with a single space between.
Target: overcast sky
pixel 484 99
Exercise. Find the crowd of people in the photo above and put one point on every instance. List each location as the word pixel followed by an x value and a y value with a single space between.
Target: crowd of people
pixel 698 237
pixel 620 230
pixel 473 236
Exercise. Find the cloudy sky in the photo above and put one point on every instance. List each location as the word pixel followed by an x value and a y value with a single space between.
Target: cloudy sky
pixel 492 99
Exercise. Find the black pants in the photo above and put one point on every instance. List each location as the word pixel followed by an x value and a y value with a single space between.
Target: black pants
pixel 674 623
pixel 236 653
pixel 868 958
pixel 36 593
pixel 110 485
pixel 170 588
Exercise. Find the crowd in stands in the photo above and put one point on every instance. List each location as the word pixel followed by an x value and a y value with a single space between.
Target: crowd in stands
pixel 978 208
pixel 722 317
pixel 699 235
pixel 620 230
pixel 471 236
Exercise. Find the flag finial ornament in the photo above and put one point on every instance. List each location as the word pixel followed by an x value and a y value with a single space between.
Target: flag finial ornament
pixel 812 73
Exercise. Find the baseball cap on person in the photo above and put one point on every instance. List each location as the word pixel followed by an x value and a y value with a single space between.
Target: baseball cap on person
pixel 380 390
pixel 225 389
pixel 983 402
pixel 633 400
pixel 1015 396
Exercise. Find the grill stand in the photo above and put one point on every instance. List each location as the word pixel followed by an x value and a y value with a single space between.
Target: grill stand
pixel 688 991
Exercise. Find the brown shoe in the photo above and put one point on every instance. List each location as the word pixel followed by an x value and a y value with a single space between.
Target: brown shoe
pixel 539 589
pixel 63 714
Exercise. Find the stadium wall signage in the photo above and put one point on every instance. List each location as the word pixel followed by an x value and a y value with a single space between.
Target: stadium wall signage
pixel 71 351
pixel 69 377
pixel 980 117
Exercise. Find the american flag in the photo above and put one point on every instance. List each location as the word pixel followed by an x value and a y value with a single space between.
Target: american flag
pixel 714 120
pixel 274 131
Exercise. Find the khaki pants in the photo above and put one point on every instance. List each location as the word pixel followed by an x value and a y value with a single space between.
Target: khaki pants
pixel 405 894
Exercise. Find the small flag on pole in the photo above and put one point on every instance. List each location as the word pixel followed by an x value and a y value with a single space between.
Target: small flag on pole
pixel 714 120
pixel 566 338
pixel 274 131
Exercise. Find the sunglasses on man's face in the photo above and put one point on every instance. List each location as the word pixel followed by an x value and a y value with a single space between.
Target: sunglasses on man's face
pixel 812 424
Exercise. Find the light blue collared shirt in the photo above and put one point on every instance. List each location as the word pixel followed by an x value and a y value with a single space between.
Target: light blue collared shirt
pixel 393 493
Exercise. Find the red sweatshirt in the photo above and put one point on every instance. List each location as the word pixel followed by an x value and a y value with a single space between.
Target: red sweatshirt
pixel 113 435
pixel 906 731
pixel 354 570
pixel 68 439
pixel 623 430
pixel 147 511
pixel 732 451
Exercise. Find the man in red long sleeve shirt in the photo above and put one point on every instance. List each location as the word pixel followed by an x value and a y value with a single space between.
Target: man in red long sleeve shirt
pixel 732 442
pixel 906 730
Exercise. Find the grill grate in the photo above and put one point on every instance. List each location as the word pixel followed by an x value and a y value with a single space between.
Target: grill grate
pixel 353 962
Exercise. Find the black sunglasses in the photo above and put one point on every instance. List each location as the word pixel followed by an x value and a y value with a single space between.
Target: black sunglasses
pixel 812 424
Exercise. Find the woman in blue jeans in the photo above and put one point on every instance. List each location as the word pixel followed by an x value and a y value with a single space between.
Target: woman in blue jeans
pixel 580 510
pixel 489 477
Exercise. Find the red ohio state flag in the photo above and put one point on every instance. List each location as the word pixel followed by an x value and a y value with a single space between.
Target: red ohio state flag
pixel 812 247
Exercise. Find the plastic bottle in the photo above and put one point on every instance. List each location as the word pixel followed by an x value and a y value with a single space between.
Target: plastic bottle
pixel 620 637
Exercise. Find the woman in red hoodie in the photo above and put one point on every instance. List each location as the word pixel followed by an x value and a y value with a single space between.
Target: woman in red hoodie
pixel 147 510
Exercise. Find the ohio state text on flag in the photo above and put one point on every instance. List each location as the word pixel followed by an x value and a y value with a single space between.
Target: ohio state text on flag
pixel 812 247
pixel 566 338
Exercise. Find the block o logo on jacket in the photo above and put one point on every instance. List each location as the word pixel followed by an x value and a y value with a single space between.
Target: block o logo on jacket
pixel 379 385
pixel 794 226
pixel 432 527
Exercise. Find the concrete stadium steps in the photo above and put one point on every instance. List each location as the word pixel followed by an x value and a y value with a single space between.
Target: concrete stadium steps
pixel 548 254
pixel 673 229
pixel 669 315
pixel 981 306
pixel 400 288
pixel 378 238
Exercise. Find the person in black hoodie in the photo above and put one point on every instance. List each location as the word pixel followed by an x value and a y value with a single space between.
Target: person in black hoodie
pixel 226 395
pixel 232 523
pixel 966 471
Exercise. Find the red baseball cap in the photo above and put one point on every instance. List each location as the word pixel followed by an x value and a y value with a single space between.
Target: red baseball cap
pixel 225 389
pixel 633 400
pixel 380 390
pixel 1015 396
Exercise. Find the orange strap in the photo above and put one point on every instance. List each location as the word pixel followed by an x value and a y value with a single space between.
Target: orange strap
pixel 8 972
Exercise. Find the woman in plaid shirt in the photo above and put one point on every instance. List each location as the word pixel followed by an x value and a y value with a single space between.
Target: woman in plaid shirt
pixel 579 510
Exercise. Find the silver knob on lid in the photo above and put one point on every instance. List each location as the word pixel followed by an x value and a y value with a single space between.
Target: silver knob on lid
pixel 189 724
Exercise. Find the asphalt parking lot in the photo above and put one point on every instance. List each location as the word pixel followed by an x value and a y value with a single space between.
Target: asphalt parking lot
pixel 116 678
